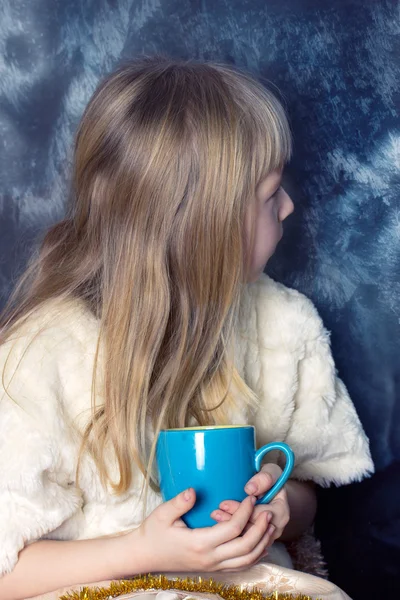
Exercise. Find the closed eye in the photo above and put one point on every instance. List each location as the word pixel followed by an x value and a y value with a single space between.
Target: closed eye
pixel 274 195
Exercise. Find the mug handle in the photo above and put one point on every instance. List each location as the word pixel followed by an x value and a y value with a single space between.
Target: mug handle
pixel 288 452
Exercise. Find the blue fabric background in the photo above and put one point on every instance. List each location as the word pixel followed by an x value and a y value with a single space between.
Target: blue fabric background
pixel 337 66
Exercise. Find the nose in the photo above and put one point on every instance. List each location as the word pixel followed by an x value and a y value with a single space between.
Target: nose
pixel 287 206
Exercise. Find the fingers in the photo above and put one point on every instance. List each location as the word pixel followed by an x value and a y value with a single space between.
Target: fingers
pixel 281 514
pixel 270 535
pixel 180 523
pixel 264 480
pixel 171 511
pixel 245 551
pixel 234 526
pixel 229 507
pixel 278 513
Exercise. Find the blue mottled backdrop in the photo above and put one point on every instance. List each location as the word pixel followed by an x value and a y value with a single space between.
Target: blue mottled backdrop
pixel 337 66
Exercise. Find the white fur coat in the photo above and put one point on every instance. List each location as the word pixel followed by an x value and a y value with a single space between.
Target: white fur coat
pixel 283 353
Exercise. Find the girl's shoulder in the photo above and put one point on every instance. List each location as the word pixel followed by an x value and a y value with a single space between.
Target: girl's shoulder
pixel 47 361
pixel 54 326
pixel 283 315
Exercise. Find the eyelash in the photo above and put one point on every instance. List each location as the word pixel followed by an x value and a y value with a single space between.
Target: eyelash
pixel 277 191
pixel 274 195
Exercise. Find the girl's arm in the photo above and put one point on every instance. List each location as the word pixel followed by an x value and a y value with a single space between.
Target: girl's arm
pixel 158 545
pixel 48 565
pixel 302 501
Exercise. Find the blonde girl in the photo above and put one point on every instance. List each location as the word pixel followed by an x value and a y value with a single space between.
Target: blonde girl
pixel 146 308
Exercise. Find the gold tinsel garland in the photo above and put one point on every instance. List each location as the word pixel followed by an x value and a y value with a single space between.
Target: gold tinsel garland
pixel 160 582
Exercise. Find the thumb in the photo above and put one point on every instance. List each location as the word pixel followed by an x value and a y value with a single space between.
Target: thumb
pixel 173 510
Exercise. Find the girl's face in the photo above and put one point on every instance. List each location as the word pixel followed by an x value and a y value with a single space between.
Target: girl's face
pixel 272 207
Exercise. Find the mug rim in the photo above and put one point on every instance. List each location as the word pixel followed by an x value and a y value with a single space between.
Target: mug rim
pixel 206 428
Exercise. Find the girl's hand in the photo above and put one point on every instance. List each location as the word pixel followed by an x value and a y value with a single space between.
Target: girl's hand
pixel 165 544
pixel 277 511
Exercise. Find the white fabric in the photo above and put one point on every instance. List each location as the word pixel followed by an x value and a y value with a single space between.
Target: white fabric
pixel 283 353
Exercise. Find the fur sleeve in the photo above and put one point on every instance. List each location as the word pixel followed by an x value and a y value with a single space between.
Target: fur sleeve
pixel 36 492
pixel 284 355
pixel 330 444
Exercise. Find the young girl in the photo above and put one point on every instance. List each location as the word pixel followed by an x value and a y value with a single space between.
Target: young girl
pixel 146 309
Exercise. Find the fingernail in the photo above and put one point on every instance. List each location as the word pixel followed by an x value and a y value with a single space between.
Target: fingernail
pixel 250 488
pixel 253 500
pixel 224 506
pixel 186 494
pixel 269 516
pixel 217 517
pixel 271 529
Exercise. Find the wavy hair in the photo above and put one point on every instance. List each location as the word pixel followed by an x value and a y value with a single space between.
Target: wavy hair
pixel 167 159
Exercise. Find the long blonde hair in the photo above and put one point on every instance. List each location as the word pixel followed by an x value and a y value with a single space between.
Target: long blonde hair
pixel 167 159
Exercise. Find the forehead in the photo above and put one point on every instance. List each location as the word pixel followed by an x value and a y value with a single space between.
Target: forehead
pixel 270 183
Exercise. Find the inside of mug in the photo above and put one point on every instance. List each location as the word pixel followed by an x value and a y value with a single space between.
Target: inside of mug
pixel 209 427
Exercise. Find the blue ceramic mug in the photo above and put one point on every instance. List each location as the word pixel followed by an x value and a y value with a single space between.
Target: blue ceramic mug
pixel 217 462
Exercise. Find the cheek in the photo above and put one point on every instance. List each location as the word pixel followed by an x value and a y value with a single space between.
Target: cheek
pixel 266 240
